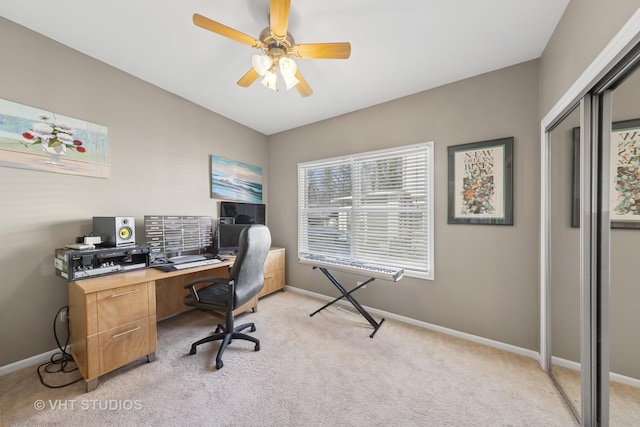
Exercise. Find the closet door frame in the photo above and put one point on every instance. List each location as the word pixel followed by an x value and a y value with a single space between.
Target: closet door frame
pixel 591 91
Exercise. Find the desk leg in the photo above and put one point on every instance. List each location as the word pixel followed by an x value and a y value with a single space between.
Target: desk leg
pixel 352 300
pixel 92 384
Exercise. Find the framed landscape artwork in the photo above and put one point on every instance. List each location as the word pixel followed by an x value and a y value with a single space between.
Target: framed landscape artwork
pixel 235 181
pixel 35 139
pixel 481 182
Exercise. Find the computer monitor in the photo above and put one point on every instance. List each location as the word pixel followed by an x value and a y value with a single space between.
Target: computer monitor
pixel 228 238
pixel 244 213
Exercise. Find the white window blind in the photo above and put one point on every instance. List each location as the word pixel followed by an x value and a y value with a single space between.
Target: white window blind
pixel 371 207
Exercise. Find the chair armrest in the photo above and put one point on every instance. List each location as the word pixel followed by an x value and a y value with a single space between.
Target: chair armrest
pixel 212 280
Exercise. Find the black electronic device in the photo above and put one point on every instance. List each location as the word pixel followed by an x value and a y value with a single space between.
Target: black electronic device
pixel 227 220
pixel 73 264
pixel 228 238
pixel 243 213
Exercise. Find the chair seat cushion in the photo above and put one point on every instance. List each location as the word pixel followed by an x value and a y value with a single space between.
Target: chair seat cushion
pixel 212 295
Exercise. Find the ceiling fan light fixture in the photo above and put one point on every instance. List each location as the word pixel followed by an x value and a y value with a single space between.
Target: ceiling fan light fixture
pixel 291 81
pixel 288 69
pixel 270 80
pixel 261 63
pixel 277 46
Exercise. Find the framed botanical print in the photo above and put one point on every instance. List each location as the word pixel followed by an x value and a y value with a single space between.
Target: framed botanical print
pixel 624 176
pixel 481 182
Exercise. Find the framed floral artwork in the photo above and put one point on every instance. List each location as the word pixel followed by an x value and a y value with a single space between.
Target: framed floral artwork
pixel 35 139
pixel 481 182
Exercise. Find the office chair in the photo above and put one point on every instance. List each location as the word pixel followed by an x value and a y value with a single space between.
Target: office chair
pixel 245 281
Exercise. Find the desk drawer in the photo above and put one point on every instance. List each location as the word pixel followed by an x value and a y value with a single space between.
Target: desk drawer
pixel 273 272
pixel 122 305
pixel 274 263
pixel 272 282
pixel 124 344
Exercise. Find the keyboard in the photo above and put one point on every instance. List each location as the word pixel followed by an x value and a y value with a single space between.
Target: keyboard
pixel 186 258
pixel 184 265
pixel 384 272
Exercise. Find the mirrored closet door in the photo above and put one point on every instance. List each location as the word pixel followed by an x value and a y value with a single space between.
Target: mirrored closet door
pixel 591 247
pixel 564 258
pixel 624 277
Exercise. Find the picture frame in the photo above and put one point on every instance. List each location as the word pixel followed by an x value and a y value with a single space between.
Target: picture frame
pixel 625 188
pixel 41 140
pixel 575 179
pixel 235 181
pixel 480 182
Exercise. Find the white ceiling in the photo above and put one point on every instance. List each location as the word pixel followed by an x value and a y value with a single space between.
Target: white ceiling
pixel 398 47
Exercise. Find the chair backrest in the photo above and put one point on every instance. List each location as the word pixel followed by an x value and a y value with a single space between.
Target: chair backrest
pixel 248 268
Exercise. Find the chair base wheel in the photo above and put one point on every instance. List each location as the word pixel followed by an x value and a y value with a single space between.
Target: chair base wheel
pixel 227 338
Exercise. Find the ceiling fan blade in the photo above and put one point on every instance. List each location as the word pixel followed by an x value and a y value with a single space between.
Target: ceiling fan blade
pixel 250 77
pixel 225 31
pixel 279 18
pixel 323 50
pixel 303 87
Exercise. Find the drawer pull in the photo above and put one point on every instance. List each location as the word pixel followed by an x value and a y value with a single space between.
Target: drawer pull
pixel 125 333
pixel 269 276
pixel 125 293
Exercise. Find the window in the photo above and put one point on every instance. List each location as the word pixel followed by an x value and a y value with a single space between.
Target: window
pixel 374 207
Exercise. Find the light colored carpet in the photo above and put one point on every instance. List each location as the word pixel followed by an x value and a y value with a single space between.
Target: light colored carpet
pixel 310 371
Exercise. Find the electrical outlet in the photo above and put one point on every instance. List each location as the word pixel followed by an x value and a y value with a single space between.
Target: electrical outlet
pixel 63 316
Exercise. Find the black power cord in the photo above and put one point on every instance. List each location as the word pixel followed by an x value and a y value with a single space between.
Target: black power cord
pixel 59 361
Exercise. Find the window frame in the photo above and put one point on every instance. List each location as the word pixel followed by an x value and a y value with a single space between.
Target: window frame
pixel 420 212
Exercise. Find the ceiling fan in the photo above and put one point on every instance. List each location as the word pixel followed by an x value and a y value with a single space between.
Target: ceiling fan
pixel 278 47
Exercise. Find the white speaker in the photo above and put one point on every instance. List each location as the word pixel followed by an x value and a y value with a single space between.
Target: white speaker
pixel 115 231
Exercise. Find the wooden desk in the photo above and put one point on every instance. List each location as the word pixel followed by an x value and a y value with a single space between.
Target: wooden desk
pixel 112 319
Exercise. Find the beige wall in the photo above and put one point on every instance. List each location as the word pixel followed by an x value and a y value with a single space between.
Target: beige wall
pixel 585 29
pixel 159 148
pixel 486 277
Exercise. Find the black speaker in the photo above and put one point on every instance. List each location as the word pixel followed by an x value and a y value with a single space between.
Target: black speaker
pixel 115 231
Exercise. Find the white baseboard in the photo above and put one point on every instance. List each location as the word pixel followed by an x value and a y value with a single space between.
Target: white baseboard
pixel 569 364
pixel 25 363
pixel 473 338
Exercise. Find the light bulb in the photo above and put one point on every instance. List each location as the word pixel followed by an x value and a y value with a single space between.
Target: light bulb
pixel 288 69
pixel 261 63
pixel 270 80
pixel 290 81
